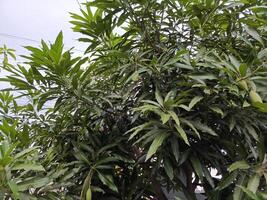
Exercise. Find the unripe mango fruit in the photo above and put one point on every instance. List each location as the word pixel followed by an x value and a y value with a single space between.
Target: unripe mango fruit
pixel 89 194
pixel 243 85
pixel 254 97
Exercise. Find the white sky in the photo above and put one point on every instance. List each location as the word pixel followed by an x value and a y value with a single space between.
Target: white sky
pixel 36 20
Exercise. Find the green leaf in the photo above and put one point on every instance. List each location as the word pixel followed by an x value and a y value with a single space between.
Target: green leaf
pixel 197 167
pixel 238 165
pixel 234 62
pixel 250 194
pixel 108 181
pixel 174 117
pixel 261 106
pixel 243 69
pixel 106 160
pixel 208 176
pixel 262 53
pixel 25 152
pixel 227 180
pixel 182 134
pixel 168 168
pixel 176 58
pixel 175 149
pixel 260 8
pixel 158 97
pixel 165 117
pixel 238 193
pixel 28 167
pixel 202 77
pixel 188 123
pixel 253 33
pixel 137 129
pixel 252 132
pixel 184 156
pixel 203 127
pixel 183 66
pixel 217 110
pixel 35 182
pixel 14 188
pixel 148 134
pixel 194 101
pixel 157 142
pixel 253 183
pixel 59 41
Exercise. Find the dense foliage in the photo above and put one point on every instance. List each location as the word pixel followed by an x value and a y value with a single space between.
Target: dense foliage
pixel 167 92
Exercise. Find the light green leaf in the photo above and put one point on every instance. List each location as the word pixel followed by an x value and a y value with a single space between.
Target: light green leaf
pixel 261 8
pixel 217 110
pixel 35 182
pixel 183 66
pixel 184 107
pixel 250 194
pixel 165 117
pixel 156 144
pixel 262 53
pixel 158 97
pixel 243 69
pixel 25 152
pixel 238 165
pixel 14 188
pixel 176 58
pixel 238 193
pixel 201 78
pixel 174 117
pixel 252 132
pixel 261 106
pixel 253 183
pixel 234 62
pixel 28 167
pixel 194 101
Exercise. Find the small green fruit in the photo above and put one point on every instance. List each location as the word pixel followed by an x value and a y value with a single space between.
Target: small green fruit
pixel 243 85
pixel 89 194
pixel 254 97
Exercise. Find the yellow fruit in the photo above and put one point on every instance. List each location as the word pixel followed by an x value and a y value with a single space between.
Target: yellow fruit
pixel 243 85
pixel 254 97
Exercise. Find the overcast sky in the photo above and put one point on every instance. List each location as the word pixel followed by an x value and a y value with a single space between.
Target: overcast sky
pixel 36 20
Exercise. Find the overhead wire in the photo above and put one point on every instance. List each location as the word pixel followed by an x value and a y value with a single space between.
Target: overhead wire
pixel 28 39
pixel 79 4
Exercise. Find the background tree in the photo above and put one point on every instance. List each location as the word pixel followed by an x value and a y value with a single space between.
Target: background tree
pixel 167 92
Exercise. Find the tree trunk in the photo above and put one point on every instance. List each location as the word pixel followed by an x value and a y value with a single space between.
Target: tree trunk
pixel 158 190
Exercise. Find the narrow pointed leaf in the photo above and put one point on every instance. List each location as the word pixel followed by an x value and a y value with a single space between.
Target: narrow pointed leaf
pixel 157 142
